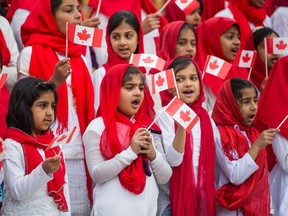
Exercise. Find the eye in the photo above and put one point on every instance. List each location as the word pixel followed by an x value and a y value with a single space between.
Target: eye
pixel 179 79
pixel 181 42
pixel 194 78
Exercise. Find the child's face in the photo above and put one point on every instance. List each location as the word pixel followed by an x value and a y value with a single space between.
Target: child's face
pixel 186 44
pixel 271 58
pixel 194 18
pixel 131 96
pixel 248 105
pixel 43 112
pixel 68 11
pixel 124 40
pixel 230 43
pixel 188 84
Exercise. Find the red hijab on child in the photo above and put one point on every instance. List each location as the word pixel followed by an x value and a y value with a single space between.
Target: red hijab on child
pixel 212 46
pixel 253 194
pixel 33 159
pixel 186 197
pixel 119 129
pixel 40 31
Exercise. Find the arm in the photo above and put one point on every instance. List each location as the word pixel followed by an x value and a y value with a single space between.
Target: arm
pixel 280 148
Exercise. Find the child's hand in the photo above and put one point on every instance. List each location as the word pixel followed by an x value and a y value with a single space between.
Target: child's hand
pixel 51 165
pixel 61 71
pixel 91 22
pixel 265 138
pixel 138 138
pixel 148 149
pixel 151 22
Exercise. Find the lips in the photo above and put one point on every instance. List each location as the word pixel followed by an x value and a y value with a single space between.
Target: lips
pixel 136 103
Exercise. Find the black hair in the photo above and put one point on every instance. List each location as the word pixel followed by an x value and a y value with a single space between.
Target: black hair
pixel 55 4
pixel 25 92
pixel 187 26
pixel 132 70
pixel 260 33
pixel 201 6
pixel 237 85
pixel 180 63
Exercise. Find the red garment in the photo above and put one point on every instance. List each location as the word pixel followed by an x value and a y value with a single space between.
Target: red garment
pixel 40 32
pixel 18 4
pixel 244 13
pixel 174 13
pixel 274 5
pixel 186 197
pixel 211 7
pixel 119 129
pixel 215 26
pixel 253 195
pixel 33 159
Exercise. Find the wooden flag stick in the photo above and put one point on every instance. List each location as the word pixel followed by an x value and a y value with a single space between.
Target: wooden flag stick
pixel 164 6
pixel 98 8
pixel 282 122
pixel 249 75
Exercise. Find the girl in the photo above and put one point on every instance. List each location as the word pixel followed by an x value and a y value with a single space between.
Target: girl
pixel 34 182
pixel 124 36
pixel 193 156
pixel 256 41
pixel 121 156
pixel 224 44
pixel 44 35
pixel 242 186
pixel 248 14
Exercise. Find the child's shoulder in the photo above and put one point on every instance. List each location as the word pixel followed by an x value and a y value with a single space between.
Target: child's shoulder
pixel 96 124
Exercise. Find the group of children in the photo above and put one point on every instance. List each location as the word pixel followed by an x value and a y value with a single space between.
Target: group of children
pixel 120 161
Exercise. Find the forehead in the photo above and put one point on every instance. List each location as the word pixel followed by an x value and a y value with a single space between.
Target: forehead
pixel 232 29
pixel 123 27
pixel 134 78
pixel 189 70
pixel 248 93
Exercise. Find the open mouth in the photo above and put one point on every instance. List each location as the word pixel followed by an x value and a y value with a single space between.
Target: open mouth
pixel 234 50
pixel 189 56
pixel 136 102
pixel 251 117
pixel 188 92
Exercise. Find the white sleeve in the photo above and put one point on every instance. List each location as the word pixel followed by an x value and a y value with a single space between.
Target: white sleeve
pixel 166 123
pixel 97 77
pixel 23 63
pixel 20 185
pixel 280 148
pixel 100 169
pixel 10 69
pixel 236 171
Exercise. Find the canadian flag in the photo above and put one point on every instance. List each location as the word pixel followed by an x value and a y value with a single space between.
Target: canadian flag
pixel 277 45
pixel 147 60
pixel 182 113
pixel 217 67
pixel 162 81
pixel 3 78
pixel 245 58
pixel 187 6
pixel 62 139
pixel 85 35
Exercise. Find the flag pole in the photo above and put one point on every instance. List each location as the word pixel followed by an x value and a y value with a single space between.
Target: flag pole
pixel 282 122
pixel 98 8
pixel 66 55
pixel 164 6
pixel 249 75
pixel 177 91
pixel 266 67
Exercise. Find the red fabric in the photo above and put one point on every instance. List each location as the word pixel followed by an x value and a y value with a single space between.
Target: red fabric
pixel 212 46
pixel 174 13
pixel 186 197
pixel 19 4
pixel 33 159
pixel 40 32
pixel 211 7
pixel 253 195
pixel 275 4
pixel 244 13
pixel 119 129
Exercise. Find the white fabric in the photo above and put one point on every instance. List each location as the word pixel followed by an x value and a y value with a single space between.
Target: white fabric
pixel 236 171
pixel 280 21
pixel 278 177
pixel 110 198
pixel 10 69
pixel 227 13
pixel 26 194
pixel 210 100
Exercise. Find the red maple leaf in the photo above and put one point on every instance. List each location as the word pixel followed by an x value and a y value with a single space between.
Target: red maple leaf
pixel 281 45
pixel 160 80
pixel 61 138
pixel 246 57
pixel 185 116
pixel 183 1
pixel 213 65
pixel 148 60
pixel 83 35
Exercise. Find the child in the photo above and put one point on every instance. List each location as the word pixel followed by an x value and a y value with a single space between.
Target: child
pixel 121 155
pixel 192 185
pixel 242 187
pixel 43 34
pixel 34 182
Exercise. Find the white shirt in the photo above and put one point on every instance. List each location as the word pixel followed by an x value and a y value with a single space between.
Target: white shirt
pixel 110 198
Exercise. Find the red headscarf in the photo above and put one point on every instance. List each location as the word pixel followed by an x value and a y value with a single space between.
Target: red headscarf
pixel 119 129
pixel 209 10
pixel 272 104
pixel 212 46
pixel 244 13
pixel 187 198
pixel 40 31
pixel 253 195
pixel 18 4
pixel 33 159
pixel 174 13
pixel 4 92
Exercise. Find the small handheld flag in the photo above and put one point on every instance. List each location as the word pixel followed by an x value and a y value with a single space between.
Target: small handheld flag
pixel 277 46
pixel 147 60
pixel 162 81
pixel 187 6
pixel 217 67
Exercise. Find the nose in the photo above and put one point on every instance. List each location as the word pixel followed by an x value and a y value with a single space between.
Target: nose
pixel 188 83
pixel 78 15
pixel 50 111
pixel 122 41
pixel 236 40
pixel 254 105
